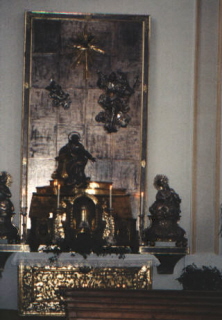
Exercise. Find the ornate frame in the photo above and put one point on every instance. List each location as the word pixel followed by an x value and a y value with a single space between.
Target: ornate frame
pixel 122 47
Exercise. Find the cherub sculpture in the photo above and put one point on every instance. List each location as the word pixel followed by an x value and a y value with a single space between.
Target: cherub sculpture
pixel 58 96
pixel 165 214
pixel 115 100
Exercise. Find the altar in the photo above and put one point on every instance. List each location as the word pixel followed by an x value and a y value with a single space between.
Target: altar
pixel 42 275
pixel 88 217
pixel 84 188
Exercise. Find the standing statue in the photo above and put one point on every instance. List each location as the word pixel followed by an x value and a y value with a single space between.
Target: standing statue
pixel 165 214
pixel 7 229
pixel 72 160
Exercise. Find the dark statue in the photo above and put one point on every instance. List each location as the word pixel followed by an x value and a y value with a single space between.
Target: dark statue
pixel 115 101
pixel 7 229
pixel 165 214
pixel 72 160
pixel 58 96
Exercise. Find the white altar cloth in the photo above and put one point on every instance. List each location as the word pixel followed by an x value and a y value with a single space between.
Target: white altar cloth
pixel 77 260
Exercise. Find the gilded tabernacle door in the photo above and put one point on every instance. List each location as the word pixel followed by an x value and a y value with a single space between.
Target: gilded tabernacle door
pixel 85 89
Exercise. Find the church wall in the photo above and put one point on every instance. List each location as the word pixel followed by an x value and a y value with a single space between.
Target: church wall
pixel 206 184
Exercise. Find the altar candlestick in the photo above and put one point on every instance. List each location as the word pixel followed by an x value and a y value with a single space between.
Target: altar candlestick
pixel 58 196
pixel 110 196
pixel 141 217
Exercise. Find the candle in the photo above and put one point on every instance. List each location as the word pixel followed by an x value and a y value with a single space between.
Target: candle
pixel 23 205
pixel 58 195
pixel 83 213
pixel 110 196
pixel 50 215
pixel 141 203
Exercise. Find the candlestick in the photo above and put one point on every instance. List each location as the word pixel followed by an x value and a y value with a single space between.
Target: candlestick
pixel 141 217
pixel 58 196
pixel 23 223
pixel 110 196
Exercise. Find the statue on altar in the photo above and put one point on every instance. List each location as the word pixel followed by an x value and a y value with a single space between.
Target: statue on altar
pixel 72 160
pixel 165 214
pixel 7 229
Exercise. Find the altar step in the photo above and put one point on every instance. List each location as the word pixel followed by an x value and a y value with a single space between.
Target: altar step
pixel 85 304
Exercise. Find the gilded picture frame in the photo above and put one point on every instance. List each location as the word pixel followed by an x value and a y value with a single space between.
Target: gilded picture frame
pixel 72 50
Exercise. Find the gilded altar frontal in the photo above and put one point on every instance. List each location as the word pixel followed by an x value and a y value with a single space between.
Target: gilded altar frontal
pixel 39 287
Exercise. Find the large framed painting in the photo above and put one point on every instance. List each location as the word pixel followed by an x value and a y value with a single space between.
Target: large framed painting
pixel 86 78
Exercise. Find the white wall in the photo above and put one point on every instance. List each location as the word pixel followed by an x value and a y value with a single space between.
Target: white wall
pixel 207 122
pixel 184 103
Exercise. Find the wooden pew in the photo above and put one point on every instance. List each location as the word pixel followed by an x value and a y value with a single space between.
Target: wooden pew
pixel 92 304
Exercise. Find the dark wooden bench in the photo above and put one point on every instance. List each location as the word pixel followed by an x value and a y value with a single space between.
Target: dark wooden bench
pixel 91 304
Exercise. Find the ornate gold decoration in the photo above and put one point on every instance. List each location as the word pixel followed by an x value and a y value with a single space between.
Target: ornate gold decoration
pixel 26 85
pixel 84 45
pixel 39 286
pixel 143 163
pixel 24 161
pixel 60 224
pixel 145 88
